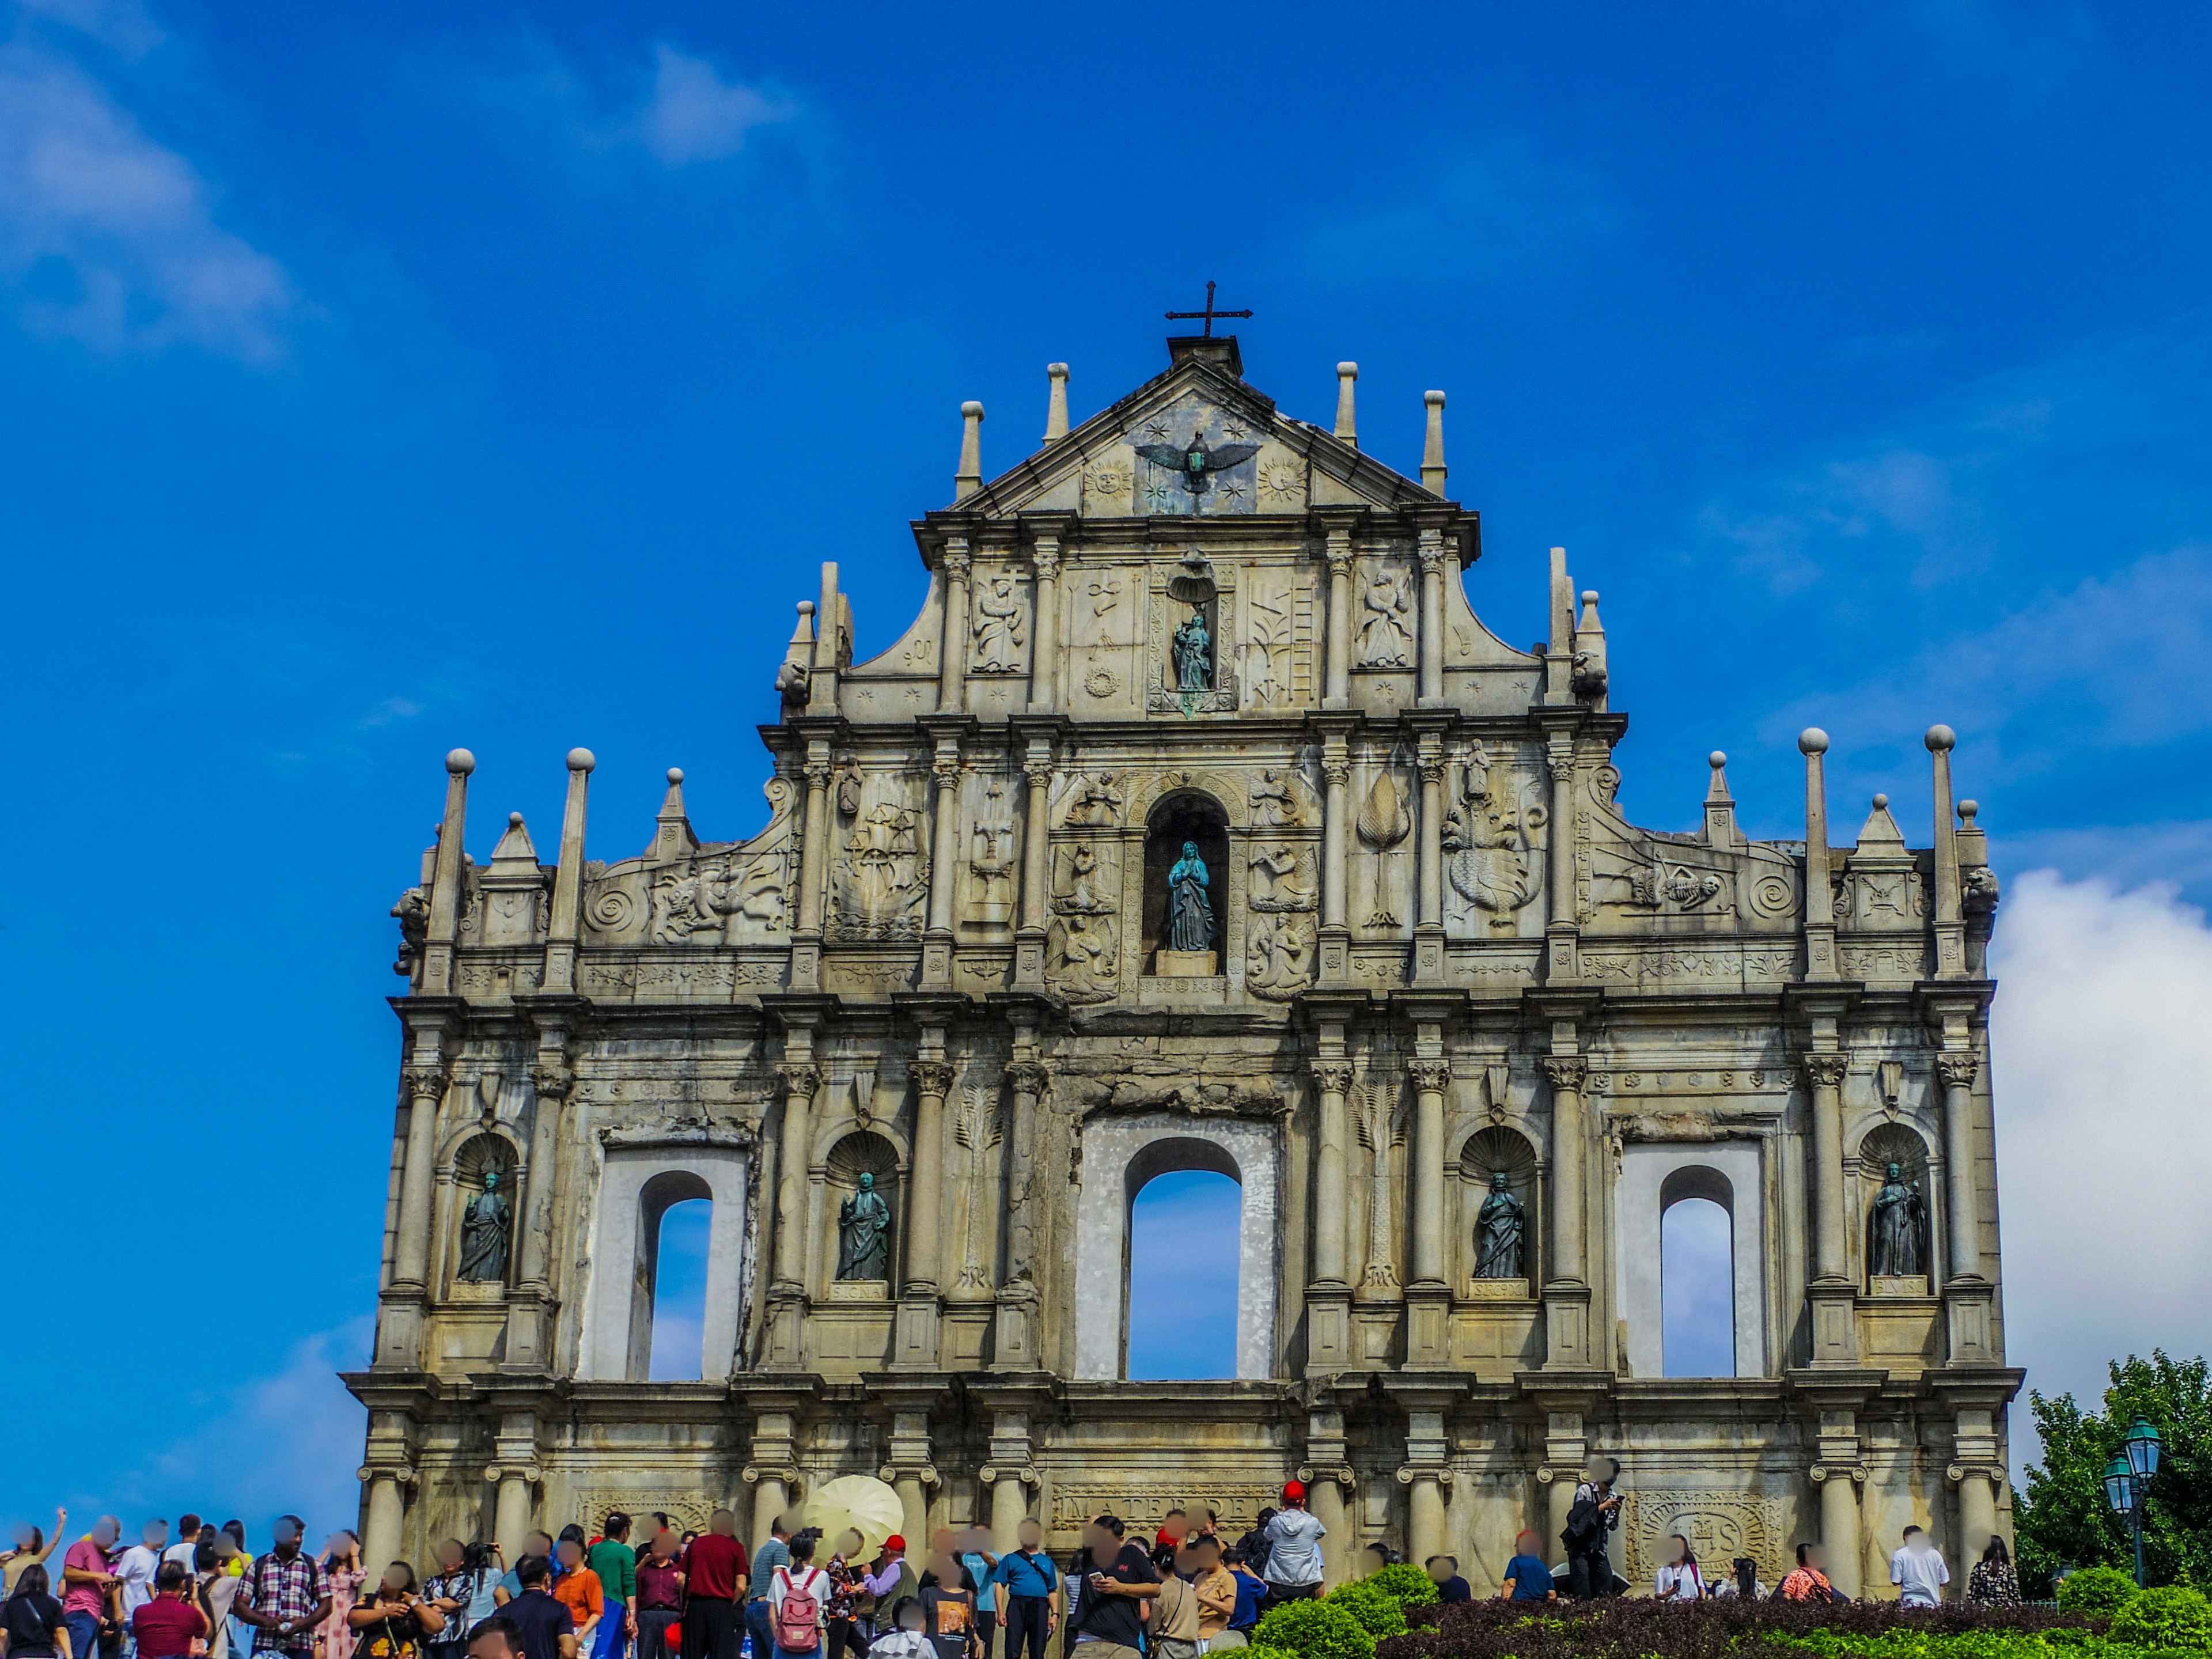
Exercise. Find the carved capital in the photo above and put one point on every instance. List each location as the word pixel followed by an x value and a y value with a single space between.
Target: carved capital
pixel 956 561
pixel 1026 1077
pixel 1046 556
pixel 818 775
pixel 1431 1076
pixel 1826 1071
pixel 1039 776
pixel 1333 1077
pixel 946 769
pixel 1566 1070
pixel 1433 768
pixel 427 1081
pixel 1957 1071
pixel 1336 772
pixel 988 1475
pixel 932 1076
pixel 801 1079
pixel 552 1082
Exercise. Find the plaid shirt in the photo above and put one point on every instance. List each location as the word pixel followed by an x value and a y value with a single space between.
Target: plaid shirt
pixel 290 1590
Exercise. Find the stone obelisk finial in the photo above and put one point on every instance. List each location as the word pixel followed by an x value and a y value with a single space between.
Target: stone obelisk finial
pixel 1347 423
pixel 1056 408
pixel 563 925
pixel 969 479
pixel 1432 453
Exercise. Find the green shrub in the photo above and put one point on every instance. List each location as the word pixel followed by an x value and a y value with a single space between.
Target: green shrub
pixel 2096 1590
pixel 1316 1630
pixel 2174 1617
pixel 1379 1613
pixel 1410 1585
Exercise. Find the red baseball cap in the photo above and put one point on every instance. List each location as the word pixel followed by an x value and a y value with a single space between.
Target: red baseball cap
pixel 896 1542
pixel 1294 1492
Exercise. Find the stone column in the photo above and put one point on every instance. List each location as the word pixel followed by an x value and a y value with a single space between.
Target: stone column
pixel 1839 1528
pixel 952 656
pixel 933 1080
pixel 1820 893
pixel 813 870
pixel 380 1515
pixel 452 858
pixel 1017 1297
pixel 528 1346
pixel 1961 1217
pixel 1335 936
pixel 944 863
pixel 1037 869
pixel 1045 644
pixel 426 1087
pixel 1825 1074
pixel 802 1080
pixel 914 1501
pixel 1425 1530
pixel 1332 1080
pixel 1561 925
pixel 1431 680
pixel 1009 1508
pixel 1429 925
pixel 1336 682
pixel 1325 1497
pixel 1950 926
pixel 770 1499
pixel 1432 1078
pixel 510 1507
pixel 1567 1074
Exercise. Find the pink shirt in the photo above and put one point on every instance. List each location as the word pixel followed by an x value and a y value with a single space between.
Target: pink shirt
pixel 86 1557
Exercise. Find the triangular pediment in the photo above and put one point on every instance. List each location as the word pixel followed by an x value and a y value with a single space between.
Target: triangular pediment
pixel 1195 442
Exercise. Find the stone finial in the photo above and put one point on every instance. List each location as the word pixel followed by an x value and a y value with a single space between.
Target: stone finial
pixel 1347 423
pixel 1056 408
pixel 1941 739
pixel 1433 474
pixel 1590 673
pixel 1820 894
pixel 673 839
pixel 1880 829
pixel 1812 741
pixel 461 762
pixel 969 479
pixel 1720 805
pixel 582 760
pixel 1563 604
pixel 1968 810
pixel 515 852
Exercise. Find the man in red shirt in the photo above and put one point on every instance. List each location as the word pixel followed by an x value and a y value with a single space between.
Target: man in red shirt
pixel 715 1574
pixel 167 1626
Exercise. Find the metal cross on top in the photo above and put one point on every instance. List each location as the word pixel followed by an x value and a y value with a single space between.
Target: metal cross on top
pixel 1209 313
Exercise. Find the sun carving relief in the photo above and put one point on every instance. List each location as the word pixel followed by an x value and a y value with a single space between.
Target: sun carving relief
pixel 1281 484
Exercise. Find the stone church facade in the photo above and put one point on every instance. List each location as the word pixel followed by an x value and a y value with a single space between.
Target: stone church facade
pixel 1462 1032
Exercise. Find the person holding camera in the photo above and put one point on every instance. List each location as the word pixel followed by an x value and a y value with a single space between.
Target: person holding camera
pixel 1591 1521
pixel 395 1620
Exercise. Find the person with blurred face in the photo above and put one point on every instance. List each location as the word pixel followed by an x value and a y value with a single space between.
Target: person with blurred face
pixel 167 1623
pixel 394 1621
pixel 1119 1579
pixel 660 1595
pixel 1029 1586
pixel 136 1567
pixel 580 1592
pixel 344 1573
pixel 1527 1578
pixel 1443 1573
pixel 539 1543
pixel 1918 1570
pixel 29 1547
pixel 90 1587
pixel 285 1595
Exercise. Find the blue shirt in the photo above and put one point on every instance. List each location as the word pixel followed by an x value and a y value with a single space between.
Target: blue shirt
pixel 1532 1579
pixel 1027 1575
pixel 980 1570
pixel 1250 1592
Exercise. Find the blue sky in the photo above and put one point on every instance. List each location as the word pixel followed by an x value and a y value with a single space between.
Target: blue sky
pixel 382 379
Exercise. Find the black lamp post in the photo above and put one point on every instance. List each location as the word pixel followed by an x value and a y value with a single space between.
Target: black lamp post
pixel 2127 1482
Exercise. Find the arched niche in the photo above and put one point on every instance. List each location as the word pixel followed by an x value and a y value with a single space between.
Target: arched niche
pixel 1655 1174
pixel 1184 815
pixel 482 1154
pixel 1485 1154
pixel 638 1185
pixel 1882 1145
pixel 860 1152
pixel 1119 1156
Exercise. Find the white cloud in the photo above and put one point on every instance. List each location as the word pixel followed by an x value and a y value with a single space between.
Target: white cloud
pixel 109 238
pixel 2103 1060
pixel 289 1442
pixel 693 114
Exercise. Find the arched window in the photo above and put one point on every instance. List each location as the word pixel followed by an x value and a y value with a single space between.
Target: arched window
pixel 1186 817
pixel 1184 1242
pixel 1182 1258
pixel 675 1291
pixel 1697 1274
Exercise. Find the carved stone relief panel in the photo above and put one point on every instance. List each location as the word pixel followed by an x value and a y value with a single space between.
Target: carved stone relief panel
pixel 1167 620
pixel 879 885
pixel 990 871
pixel 1277 646
pixel 1194 459
pixel 1107 480
pixel 1493 834
pixel 1105 603
pixel 1719 1525
pixel 1382 886
pixel 1386 599
pixel 1000 623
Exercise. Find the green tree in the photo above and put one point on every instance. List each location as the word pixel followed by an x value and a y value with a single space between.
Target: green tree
pixel 2064 1520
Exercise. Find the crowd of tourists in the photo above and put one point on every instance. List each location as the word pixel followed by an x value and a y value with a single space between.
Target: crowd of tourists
pixel 639 1587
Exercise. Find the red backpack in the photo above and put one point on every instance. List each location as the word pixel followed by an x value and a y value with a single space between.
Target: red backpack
pixel 799 1620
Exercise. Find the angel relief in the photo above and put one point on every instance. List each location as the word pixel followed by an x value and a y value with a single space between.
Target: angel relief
pixel 1082 963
